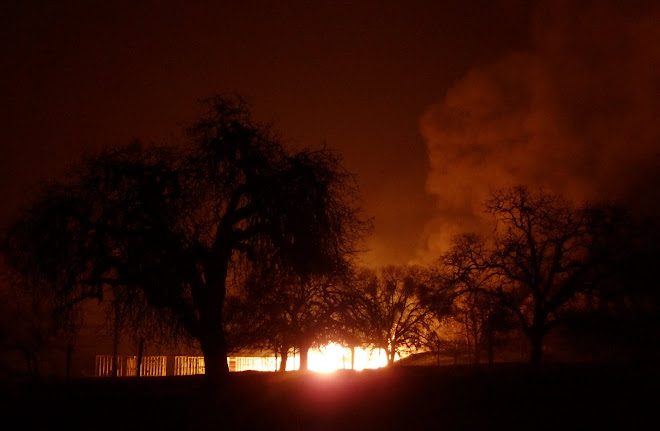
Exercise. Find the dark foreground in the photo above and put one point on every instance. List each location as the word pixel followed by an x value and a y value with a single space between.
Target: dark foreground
pixel 508 397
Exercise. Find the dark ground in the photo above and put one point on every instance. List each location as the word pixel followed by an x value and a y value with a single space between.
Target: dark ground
pixel 506 396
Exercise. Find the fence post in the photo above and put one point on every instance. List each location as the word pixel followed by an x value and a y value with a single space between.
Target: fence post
pixel 138 371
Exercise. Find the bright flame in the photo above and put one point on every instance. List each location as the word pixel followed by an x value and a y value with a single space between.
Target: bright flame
pixel 325 359
pixel 335 357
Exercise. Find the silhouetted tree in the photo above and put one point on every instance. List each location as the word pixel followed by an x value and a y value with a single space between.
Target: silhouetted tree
pixel 623 317
pixel 35 337
pixel 168 227
pixel 295 311
pixel 546 256
pixel 392 310
pixel 463 294
pixel 352 326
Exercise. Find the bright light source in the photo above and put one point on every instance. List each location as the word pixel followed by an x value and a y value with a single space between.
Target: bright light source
pixel 325 359
pixel 335 357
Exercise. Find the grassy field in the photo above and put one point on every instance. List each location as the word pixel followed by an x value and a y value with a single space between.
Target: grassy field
pixel 505 396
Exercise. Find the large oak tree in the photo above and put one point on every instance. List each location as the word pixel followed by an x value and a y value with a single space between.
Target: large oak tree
pixel 171 227
pixel 545 257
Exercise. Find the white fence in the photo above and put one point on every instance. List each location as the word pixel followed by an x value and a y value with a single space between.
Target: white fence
pixel 188 365
pixel 245 363
pixel 104 364
pixel 183 365
pixel 127 366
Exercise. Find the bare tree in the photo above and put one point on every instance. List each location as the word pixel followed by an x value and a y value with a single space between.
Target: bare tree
pixel 464 294
pixel 352 326
pixel 295 312
pixel 546 256
pixel 392 310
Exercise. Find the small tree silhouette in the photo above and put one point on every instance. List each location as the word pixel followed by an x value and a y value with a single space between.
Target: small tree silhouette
pixel 389 308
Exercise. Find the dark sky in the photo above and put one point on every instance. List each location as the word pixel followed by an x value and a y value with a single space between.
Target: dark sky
pixel 431 103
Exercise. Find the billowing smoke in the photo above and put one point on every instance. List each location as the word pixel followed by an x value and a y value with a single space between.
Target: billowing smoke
pixel 578 114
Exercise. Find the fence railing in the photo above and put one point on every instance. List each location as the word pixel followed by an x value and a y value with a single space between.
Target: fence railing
pixel 256 363
pixel 127 366
pixel 183 365
pixel 105 364
pixel 188 365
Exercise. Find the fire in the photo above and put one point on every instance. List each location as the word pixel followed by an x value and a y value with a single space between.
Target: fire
pixel 335 357
pixel 324 359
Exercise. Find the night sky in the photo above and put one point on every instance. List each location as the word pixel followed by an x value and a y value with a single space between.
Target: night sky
pixel 432 104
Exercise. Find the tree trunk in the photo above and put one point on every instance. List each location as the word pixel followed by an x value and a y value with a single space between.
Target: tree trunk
pixel 215 359
pixel 69 351
pixel 467 335
pixel 536 354
pixel 115 345
pixel 536 335
pixel 212 340
pixel 476 343
pixel 32 364
pixel 284 354
pixel 304 355
pixel 352 357
pixel 213 344
pixel 391 353
pixel 138 372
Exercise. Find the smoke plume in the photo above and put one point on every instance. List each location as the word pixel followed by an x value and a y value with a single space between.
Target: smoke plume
pixel 577 114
